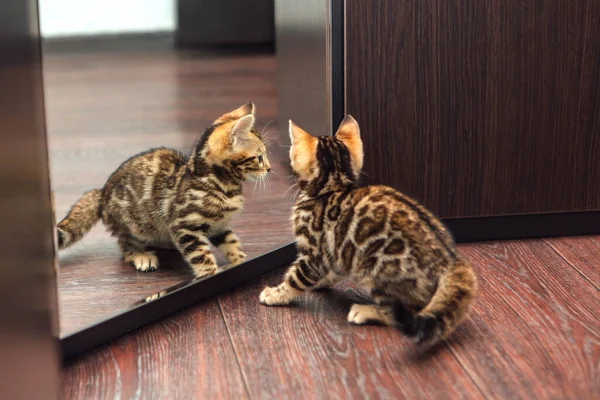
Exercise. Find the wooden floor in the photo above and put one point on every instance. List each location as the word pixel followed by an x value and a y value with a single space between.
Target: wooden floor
pixel 534 333
pixel 103 108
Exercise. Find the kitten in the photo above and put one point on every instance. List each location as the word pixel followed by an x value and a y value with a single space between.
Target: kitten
pixel 164 199
pixel 386 242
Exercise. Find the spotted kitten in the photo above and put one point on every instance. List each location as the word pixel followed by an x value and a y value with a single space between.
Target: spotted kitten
pixel 164 199
pixel 383 240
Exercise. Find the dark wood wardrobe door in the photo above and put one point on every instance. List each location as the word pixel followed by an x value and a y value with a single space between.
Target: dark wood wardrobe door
pixel 479 107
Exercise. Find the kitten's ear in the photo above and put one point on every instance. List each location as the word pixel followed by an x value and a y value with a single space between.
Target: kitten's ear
pixel 299 135
pixel 241 130
pixel 246 109
pixel 349 134
pixel 303 150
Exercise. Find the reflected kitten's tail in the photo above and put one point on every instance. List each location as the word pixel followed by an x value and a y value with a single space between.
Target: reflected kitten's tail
pixel 81 218
pixel 449 306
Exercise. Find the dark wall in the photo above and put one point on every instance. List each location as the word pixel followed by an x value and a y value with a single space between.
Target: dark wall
pixel 29 353
pixel 225 22
pixel 479 108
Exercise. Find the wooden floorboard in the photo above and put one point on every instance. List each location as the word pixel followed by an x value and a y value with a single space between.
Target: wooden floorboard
pixel 582 252
pixel 186 356
pixel 309 351
pixel 537 331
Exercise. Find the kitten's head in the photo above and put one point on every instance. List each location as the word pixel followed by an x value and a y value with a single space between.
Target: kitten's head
pixel 233 142
pixel 326 163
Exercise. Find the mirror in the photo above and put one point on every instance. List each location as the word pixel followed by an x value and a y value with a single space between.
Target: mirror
pixel 111 97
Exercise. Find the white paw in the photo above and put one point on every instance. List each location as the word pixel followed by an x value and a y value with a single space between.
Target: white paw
pixel 200 273
pixel 237 259
pixel 361 314
pixel 273 296
pixel 155 296
pixel 145 262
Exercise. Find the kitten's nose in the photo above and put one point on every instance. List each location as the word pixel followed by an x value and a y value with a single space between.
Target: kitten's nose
pixel 269 169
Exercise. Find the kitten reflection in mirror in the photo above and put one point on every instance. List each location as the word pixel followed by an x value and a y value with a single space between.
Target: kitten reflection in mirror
pixel 384 241
pixel 161 198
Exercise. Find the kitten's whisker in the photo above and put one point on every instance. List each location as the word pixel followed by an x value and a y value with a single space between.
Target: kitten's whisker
pixel 263 184
pixel 269 132
pixel 265 127
pixel 268 140
pixel 295 196
pixel 276 174
pixel 269 184
pixel 288 190
pixel 267 136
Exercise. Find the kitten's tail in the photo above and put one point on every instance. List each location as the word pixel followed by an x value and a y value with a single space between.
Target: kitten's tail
pixel 449 306
pixel 81 218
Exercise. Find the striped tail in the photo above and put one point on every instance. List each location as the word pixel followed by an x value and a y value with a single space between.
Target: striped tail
pixel 81 218
pixel 449 306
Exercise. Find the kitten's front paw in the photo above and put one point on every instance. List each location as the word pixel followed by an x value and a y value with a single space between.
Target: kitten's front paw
pixel 237 259
pixel 363 314
pixel 145 262
pixel 200 273
pixel 274 296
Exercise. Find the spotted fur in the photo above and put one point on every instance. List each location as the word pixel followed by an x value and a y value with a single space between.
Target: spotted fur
pixel 385 241
pixel 161 198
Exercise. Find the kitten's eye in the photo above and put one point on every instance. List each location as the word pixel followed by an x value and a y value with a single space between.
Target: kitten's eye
pixel 260 159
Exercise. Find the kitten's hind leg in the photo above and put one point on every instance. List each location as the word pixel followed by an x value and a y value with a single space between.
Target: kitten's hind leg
pixel 328 281
pixel 134 253
pixel 302 275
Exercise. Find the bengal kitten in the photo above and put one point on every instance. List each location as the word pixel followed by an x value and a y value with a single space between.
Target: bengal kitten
pixel 386 242
pixel 161 198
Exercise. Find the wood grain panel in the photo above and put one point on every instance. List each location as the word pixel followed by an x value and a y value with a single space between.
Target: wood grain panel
pixel 102 108
pixel 187 356
pixel 312 350
pixel 582 252
pixel 537 330
pixel 479 108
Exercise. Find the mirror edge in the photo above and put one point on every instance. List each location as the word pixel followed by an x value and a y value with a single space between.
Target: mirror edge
pixel 118 325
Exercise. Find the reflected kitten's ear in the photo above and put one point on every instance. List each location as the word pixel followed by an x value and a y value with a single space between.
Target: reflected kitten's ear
pixel 246 109
pixel 349 134
pixel 241 129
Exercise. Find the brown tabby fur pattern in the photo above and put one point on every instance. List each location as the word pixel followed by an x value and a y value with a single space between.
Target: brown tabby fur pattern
pixel 384 241
pixel 161 198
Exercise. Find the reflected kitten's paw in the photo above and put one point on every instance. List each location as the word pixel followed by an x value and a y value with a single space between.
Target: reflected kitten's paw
pixel 275 296
pixel 155 296
pixel 144 262
pixel 201 273
pixel 237 259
